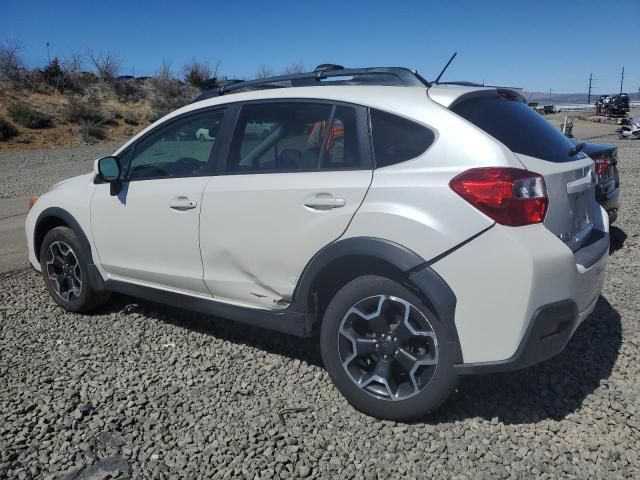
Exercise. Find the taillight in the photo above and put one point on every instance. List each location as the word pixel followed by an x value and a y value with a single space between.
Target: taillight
pixel 510 196
pixel 602 164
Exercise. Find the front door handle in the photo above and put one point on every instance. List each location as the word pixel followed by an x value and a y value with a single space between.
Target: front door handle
pixel 324 201
pixel 183 203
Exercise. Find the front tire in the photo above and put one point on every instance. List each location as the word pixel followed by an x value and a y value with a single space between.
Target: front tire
pixel 385 351
pixel 65 272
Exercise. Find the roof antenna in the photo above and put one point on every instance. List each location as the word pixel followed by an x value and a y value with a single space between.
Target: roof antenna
pixel 445 67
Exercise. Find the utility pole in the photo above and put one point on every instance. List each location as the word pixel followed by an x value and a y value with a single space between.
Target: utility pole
pixel 589 95
pixel 621 79
pixel 48 55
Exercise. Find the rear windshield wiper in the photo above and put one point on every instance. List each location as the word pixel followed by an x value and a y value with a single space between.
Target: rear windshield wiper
pixel 577 149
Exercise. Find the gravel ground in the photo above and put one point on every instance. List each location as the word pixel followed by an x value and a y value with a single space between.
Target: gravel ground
pixel 142 390
pixel 32 172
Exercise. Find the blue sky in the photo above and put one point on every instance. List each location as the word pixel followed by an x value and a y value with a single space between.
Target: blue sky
pixel 537 45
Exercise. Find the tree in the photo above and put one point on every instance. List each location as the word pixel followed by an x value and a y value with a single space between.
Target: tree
pixel 12 67
pixel 107 65
pixel 293 69
pixel 54 75
pixel 72 65
pixel 264 72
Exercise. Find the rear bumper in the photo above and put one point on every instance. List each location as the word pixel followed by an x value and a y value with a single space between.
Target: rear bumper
pixel 548 333
pixel 513 283
pixel 611 203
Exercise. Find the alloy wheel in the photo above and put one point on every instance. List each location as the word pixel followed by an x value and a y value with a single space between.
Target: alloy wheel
pixel 63 270
pixel 387 347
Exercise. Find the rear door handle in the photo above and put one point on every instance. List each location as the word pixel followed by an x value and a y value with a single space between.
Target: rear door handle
pixel 324 201
pixel 182 203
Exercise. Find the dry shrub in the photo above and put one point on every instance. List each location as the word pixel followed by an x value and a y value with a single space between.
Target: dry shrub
pixel 168 94
pixel 79 110
pixel 130 119
pixel 27 116
pixel 7 130
pixel 90 132
pixel 201 74
pixel 128 90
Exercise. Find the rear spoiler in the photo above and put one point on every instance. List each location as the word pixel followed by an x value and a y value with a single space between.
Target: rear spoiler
pixel 449 95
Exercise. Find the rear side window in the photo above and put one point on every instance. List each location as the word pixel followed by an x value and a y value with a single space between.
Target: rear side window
pixel 517 126
pixel 396 139
pixel 297 136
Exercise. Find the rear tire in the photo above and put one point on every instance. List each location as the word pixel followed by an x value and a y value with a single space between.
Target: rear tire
pixel 385 351
pixel 65 272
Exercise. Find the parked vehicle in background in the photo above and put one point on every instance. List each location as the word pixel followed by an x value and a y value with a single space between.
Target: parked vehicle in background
pixel 613 105
pixel 605 157
pixel 358 214
pixel 631 130
pixel 622 102
pixel 545 109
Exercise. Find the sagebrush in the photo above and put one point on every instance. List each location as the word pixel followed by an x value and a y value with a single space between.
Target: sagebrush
pixel 27 116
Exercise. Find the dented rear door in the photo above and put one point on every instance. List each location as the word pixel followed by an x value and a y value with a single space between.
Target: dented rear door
pixel 259 227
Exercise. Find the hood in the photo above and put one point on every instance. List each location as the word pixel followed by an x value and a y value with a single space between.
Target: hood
pixel 68 182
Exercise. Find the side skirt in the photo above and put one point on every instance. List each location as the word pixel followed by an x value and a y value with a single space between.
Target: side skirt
pixel 284 321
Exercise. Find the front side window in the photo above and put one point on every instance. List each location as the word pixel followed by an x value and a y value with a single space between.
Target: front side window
pixel 289 137
pixel 180 149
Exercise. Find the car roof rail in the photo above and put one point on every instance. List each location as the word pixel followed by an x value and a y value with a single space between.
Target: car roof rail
pixel 325 74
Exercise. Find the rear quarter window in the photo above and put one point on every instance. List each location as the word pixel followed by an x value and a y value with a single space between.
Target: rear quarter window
pixel 396 139
pixel 517 126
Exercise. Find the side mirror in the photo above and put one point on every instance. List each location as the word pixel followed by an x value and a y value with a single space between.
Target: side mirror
pixel 109 169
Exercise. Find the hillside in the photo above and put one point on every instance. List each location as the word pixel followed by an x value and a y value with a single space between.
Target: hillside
pixel 35 114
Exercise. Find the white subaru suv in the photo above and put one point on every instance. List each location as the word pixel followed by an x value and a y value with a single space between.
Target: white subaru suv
pixel 422 231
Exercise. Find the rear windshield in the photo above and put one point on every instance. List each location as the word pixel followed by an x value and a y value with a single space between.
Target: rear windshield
pixel 517 126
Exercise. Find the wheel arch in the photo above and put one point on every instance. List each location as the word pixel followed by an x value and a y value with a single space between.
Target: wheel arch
pixel 53 217
pixel 342 261
pixel 57 217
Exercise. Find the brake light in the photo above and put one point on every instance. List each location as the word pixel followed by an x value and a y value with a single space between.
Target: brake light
pixel 510 196
pixel 602 165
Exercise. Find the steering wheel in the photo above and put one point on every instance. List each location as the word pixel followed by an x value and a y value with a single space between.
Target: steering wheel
pixel 187 165
pixel 147 171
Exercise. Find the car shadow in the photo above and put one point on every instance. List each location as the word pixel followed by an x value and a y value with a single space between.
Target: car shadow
pixel 617 237
pixel 303 349
pixel 550 390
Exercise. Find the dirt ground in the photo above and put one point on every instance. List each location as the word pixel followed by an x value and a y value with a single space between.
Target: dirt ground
pixel 584 127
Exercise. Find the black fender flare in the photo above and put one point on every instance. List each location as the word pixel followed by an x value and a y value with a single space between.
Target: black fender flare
pixel 48 214
pixel 418 273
